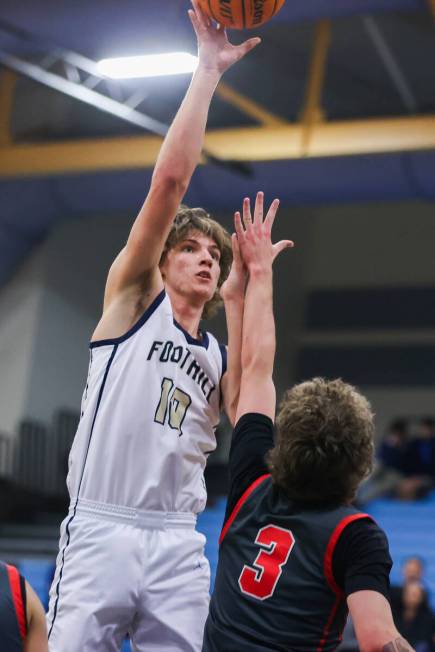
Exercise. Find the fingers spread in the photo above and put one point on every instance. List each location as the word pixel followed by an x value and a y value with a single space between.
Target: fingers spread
pixel 247 219
pixel 281 245
pixel 271 214
pixel 236 250
pixel 238 225
pixel 193 20
pixel 203 21
pixel 259 207
pixel 248 45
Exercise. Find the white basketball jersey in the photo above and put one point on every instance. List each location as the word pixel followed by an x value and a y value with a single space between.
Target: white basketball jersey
pixel 149 412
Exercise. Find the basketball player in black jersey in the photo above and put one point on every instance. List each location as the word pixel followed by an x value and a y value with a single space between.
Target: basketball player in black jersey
pixel 22 617
pixel 295 556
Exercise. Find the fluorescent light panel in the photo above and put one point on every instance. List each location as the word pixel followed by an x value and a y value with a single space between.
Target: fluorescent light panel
pixel 151 65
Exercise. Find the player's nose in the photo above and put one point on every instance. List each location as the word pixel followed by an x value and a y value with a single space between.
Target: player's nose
pixel 207 258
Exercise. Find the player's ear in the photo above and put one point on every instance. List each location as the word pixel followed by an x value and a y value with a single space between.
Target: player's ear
pixel 163 265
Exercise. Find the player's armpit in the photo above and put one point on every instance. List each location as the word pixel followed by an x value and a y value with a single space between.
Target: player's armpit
pixel 399 645
pixel 119 285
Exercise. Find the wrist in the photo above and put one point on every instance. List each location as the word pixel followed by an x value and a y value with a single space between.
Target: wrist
pixel 260 271
pixel 208 72
pixel 234 299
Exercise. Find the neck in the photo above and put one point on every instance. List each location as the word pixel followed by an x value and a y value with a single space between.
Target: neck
pixel 186 314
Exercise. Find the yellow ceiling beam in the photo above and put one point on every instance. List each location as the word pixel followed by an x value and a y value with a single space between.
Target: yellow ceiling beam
pixel 8 80
pixel 312 111
pixel 244 144
pixel 90 155
pixel 431 4
pixel 247 106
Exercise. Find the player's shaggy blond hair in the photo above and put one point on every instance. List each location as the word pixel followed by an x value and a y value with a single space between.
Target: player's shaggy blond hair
pixel 325 442
pixel 189 220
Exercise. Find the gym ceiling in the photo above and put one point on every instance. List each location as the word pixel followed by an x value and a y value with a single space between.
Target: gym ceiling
pixel 337 104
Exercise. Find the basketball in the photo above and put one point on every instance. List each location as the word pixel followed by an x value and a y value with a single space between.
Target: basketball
pixel 241 14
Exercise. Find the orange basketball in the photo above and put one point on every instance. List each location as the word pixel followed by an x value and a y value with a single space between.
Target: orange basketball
pixel 241 14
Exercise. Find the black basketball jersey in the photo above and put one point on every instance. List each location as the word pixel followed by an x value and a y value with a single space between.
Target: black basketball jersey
pixel 13 620
pixel 274 587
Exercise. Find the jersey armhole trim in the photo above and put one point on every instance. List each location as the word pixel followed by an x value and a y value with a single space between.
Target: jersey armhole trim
pixel 240 504
pixel 327 563
pixel 224 354
pixel 327 567
pixel 24 598
pixel 141 321
pixel 14 582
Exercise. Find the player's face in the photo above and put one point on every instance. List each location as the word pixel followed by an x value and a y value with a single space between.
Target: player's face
pixel 412 570
pixel 192 267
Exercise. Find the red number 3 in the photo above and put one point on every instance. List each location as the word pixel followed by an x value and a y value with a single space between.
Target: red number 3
pixel 260 582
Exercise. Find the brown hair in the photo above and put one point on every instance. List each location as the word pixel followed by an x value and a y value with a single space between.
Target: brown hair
pixel 325 442
pixel 197 219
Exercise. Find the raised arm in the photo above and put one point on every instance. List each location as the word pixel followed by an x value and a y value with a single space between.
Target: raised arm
pixel 137 264
pixel 233 295
pixel 257 391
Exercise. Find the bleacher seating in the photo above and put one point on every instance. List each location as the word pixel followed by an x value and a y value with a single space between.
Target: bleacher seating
pixel 410 527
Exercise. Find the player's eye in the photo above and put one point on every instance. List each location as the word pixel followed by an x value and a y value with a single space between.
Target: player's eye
pixel 216 255
pixel 187 248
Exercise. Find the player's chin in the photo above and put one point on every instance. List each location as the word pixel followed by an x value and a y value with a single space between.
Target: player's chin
pixel 204 291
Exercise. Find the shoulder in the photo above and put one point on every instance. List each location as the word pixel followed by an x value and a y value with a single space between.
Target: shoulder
pixel 218 351
pixel 252 439
pixel 116 326
pixel 363 531
pixel 362 559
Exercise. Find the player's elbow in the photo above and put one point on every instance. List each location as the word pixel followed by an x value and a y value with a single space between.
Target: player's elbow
pixel 169 183
pixel 376 640
pixel 257 370
pixel 256 365
pixel 259 359
pixel 370 646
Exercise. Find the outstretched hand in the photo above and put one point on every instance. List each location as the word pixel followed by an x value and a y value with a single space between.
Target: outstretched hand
pixel 215 51
pixel 233 289
pixel 254 235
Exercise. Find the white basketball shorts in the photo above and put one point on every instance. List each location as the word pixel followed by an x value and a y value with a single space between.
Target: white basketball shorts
pixel 120 571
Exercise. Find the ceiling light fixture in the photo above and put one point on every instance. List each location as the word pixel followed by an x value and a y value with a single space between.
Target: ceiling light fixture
pixel 151 65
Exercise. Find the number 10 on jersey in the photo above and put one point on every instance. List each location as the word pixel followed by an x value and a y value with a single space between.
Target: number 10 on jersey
pixel 172 406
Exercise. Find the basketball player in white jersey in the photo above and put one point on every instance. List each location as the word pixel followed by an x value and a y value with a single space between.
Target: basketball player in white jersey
pixel 130 560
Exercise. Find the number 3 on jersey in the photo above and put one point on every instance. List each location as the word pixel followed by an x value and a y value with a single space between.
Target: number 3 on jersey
pixel 174 401
pixel 260 582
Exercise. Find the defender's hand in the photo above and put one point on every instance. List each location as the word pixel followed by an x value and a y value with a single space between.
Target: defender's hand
pixel 254 235
pixel 233 289
pixel 215 52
